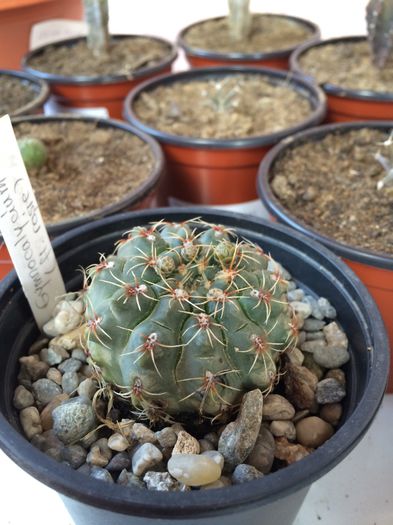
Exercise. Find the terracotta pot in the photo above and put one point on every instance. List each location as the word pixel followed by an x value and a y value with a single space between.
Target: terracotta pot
pixel 347 105
pixel 17 18
pixel 40 87
pixel 374 269
pixel 108 92
pixel 219 171
pixel 149 195
pixel 276 59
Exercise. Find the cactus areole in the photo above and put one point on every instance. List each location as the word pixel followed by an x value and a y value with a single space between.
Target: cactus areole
pixel 185 318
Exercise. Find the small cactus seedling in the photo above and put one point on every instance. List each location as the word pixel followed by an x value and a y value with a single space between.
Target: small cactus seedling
pixel 386 162
pixel 33 151
pixel 185 318
pixel 380 30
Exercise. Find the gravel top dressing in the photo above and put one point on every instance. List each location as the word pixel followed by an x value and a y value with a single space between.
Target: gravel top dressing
pixel 268 33
pixel 236 106
pixel 87 167
pixel 124 57
pixel 14 94
pixel 331 185
pixel 348 65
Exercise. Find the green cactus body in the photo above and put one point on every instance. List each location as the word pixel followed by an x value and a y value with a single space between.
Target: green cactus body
pixel 33 151
pixel 184 318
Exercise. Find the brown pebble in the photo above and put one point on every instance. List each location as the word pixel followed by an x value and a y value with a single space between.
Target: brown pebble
pixel 337 374
pixel 290 452
pixel 331 412
pixel 283 429
pixel 46 414
pixel 313 431
pixel 186 444
pixel 300 384
pixel 54 375
pixel 277 407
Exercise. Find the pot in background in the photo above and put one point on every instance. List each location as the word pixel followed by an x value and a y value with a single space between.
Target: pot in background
pixel 219 171
pixel 40 87
pixel 347 105
pixel 198 57
pixel 276 497
pixel 102 94
pixel 149 195
pixel 374 269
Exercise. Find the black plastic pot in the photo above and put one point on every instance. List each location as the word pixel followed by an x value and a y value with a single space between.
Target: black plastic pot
pixel 99 91
pixel 200 169
pixel 40 87
pixel 346 104
pixel 374 269
pixel 198 57
pixel 275 498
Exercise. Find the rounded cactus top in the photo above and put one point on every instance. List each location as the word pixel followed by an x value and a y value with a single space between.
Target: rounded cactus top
pixel 185 318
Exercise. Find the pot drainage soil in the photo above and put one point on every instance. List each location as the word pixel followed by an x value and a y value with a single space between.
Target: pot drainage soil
pixel 124 57
pixel 14 94
pixel 88 167
pixel 67 411
pixel 268 33
pixel 229 107
pixel 331 185
pixel 348 65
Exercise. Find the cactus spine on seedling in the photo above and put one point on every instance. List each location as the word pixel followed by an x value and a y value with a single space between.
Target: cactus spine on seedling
pixel 184 318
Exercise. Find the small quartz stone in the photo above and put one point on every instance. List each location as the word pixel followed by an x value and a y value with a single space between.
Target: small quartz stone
pixel 331 356
pixel 329 391
pixel 53 356
pixel 327 310
pixel 46 413
pixel 70 365
pixel 315 336
pixel 243 473
pixel 194 470
pixel 70 382
pixel 301 309
pixel 22 398
pixel 313 346
pixel 315 308
pixel 283 429
pixel 54 375
pixel 295 295
pixel 337 374
pixel 160 481
pixel 262 455
pixel 313 325
pixel 331 413
pixel 101 474
pixel 145 457
pixel 78 353
pixel 142 434
pixel 166 437
pixel 216 456
pixel 45 390
pixel 30 421
pixel 118 442
pixel 87 388
pixel 186 444
pixel 313 431
pixel 277 407
pixel 128 479
pixel 73 419
pixel 70 340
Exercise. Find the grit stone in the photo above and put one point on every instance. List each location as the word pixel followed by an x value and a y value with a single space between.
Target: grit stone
pixel 186 444
pixel 277 407
pixel 300 384
pixel 329 391
pixel 166 437
pixel 46 413
pixel 45 390
pixel 70 382
pixel 244 473
pixel 74 455
pixel 70 365
pixel 331 356
pixel 262 455
pixel 23 398
pixel 142 434
pixel 120 461
pixel 53 355
pixel 144 458
pixel 313 325
pixel 283 429
pixel 118 442
pixel 31 422
pixel 194 470
pixel 101 474
pixel 290 452
pixel 128 479
pixel 87 387
pixel 331 413
pixel 54 375
pixel 313 431
pixel 73 419
pixel 33 367
pixel 160 481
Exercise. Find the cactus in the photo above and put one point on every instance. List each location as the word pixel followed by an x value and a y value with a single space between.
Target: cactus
pixel 239 19
pixel 185 318
pixel 96 16
pixel 33 151
pixel 379 16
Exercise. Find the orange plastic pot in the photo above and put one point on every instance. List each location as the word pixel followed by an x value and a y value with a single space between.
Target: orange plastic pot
pixel 347 105
pixel 219 171
pixel 17 18
pixel 150 194
pixel 374 269
pixel 40 88
pixel 275 59
pixel 109 92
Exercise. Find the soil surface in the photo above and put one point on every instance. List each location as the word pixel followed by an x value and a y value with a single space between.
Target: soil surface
pixel 268 33
pixel 235 106
pixel 348 65
pixel 14 94
pixel 331 185
pixel 87 167
pixel 125 56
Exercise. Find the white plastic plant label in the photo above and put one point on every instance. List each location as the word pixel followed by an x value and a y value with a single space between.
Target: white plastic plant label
pixel 54 30
pixel 24 231
pixel 52 107
pixel 255 207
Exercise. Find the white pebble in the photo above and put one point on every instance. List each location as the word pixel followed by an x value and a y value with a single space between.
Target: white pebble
pixel 145 457
pixel 118 442
pixel 194 470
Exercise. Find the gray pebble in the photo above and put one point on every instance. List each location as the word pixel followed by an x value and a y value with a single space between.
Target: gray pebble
pixel 312 346
pixel 309 362
pixel 329 391
pixel 73 419
pixel 331 357
pixel 160 481
pixel 101 474
pixel 70 365
pixel 128 479
pixel 302 337
pixel 243 473
pixel 314 336
pixel 74 455
pixel 22 398
pixel 87 388
pixel 166 437
pixel 45 390
pixel 262 455
pixel 302 310
pixel 315 308
pixel 313 325
pixel 70 382
pixel 145 457
pixel 205 445
pixel 32 368
pixel 291 286
pixel 335 336
pixel 212 437
pixel 277 407
pixel 84 469
pixel 119 461
pixel 141 433
pixel 78 353
pixel 295 356
pixel 295 295
pixel 38 346
pixel 326 308
pixel 53 356
pixel 54 375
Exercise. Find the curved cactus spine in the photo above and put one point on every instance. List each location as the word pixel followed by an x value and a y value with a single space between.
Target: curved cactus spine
pixel 184 318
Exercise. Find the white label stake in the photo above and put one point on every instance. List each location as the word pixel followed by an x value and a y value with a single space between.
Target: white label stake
pixel 24 231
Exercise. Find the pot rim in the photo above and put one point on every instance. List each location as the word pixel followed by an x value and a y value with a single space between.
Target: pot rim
pixel 274 206
pixel 216 55
pixel 83 80
pixel 132 196
pixel 313 93
pixel 334 89
pixel 255 493
pixel 40 97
